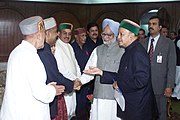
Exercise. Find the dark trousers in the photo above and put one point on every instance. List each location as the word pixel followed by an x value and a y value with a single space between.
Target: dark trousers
pixel 83 114
pixel 161 101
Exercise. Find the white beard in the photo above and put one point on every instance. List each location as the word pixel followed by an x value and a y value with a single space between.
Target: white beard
pixel 109 42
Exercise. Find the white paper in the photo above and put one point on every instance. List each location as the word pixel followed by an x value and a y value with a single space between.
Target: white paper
pixel 119 99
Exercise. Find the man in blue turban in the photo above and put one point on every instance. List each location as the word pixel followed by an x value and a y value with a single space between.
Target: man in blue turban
pixel 106 57
pixel 133 77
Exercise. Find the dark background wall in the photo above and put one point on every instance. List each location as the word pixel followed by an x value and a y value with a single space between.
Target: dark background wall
pixel 11 13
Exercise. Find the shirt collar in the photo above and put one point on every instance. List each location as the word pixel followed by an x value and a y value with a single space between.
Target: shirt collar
pixel 156 38
pixel 61 42
pixel 29 45
pixel 131 45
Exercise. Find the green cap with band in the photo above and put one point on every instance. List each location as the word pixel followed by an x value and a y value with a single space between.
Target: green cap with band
pixel 130 25
pixel 65 26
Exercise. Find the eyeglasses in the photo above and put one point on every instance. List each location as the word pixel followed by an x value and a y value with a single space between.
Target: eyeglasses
pixel 107 34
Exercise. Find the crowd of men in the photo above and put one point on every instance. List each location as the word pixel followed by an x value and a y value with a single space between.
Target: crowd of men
pixel 130 75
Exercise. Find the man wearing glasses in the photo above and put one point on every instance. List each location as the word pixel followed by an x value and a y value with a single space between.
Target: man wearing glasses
pixel 107 57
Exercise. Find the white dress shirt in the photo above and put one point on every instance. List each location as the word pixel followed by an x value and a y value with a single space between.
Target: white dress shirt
pixel 154 43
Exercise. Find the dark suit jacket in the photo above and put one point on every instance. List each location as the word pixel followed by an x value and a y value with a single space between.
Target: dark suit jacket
pixel 162 74
pixel 82 56
pixel 133 79
pixel 91 44
pixel 177 51
pixel 53 75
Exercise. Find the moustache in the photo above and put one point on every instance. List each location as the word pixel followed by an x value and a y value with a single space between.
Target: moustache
pixel 151 29
pixel 94 34
pixel 66 38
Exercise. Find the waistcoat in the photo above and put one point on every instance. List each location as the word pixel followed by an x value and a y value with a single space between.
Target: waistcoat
pixel 108 59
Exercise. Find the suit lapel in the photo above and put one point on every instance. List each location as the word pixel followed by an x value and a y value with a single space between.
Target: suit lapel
pixel 145 43
pixel 158 48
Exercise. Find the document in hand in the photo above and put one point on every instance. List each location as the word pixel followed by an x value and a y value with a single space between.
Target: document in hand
pixel 119 99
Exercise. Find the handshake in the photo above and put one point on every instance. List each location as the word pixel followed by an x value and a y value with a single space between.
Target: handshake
pixel 77 84
pixel 61 88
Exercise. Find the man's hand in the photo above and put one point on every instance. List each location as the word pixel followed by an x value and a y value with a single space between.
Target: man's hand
pixel 59 88
pixel 93 71
pixel 115 86
pixel 168 92
pixel 77 84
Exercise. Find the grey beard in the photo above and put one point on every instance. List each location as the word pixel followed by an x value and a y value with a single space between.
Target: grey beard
pixel 110 42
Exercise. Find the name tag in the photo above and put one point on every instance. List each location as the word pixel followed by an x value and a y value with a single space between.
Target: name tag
pixel 159 59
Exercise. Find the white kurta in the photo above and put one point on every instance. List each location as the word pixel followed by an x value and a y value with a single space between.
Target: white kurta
pixel 68 66
pixel 27 96
pixel 101 109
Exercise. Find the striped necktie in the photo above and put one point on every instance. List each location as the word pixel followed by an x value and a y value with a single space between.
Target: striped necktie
pixel 151 50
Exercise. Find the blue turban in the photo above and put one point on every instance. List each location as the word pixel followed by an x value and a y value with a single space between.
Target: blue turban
pixel 114 26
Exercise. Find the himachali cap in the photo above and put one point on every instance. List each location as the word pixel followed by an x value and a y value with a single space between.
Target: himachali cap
pixel 130 25
pixel 31 25
pixel 79 31
pixel 49 23
pixel 65 26
pixel 114 26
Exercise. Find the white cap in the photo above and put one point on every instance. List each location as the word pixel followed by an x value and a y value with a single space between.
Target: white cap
pixel 31 25
pixel 49 23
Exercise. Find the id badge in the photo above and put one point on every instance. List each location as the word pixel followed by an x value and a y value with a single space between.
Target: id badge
pixel 159 59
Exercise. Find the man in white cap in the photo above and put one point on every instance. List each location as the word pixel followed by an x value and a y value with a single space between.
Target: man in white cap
pixel 107 57
pixel 57 107
pixel 67 63
pixel 133 77
pixel 27 96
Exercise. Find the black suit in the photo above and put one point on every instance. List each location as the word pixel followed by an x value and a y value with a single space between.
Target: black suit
pixel 53 75
pixel 133 79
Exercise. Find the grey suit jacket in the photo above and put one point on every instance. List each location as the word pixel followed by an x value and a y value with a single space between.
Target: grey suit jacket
pixel 162 74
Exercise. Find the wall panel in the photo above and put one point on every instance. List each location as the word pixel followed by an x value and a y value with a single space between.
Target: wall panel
pixel 9 32
pixel 11 13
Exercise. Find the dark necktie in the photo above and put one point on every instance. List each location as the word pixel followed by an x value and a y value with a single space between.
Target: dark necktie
pixel 151 50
